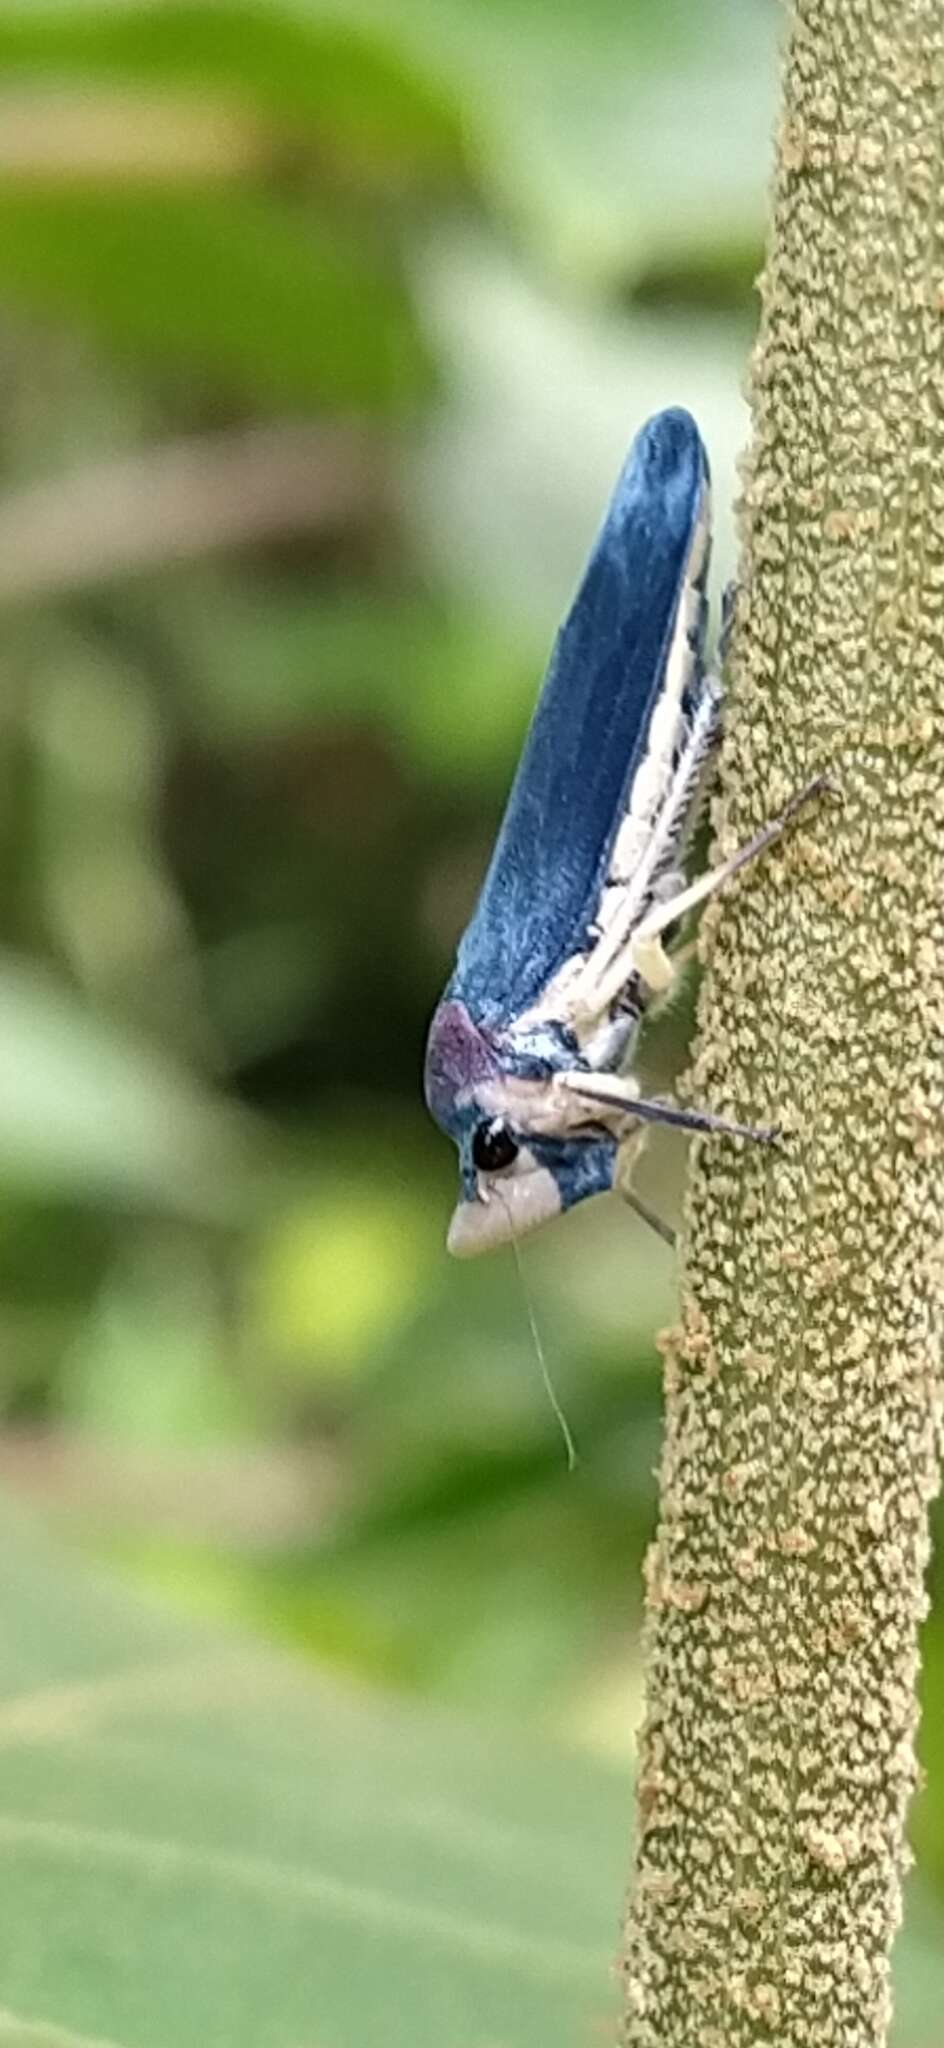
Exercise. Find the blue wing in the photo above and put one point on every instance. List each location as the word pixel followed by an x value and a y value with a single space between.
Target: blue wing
pixel 590 727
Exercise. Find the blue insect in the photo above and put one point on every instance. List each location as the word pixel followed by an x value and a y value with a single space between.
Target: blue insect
pixel 528 1062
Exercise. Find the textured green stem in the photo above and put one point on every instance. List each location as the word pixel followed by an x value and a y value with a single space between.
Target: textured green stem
pixel 803 1391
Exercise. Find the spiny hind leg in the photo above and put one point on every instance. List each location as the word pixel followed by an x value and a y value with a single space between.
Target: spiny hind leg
pixel 647 954
pixel 646 947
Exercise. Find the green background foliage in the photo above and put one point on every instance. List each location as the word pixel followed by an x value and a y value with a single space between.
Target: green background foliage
pixel 323 330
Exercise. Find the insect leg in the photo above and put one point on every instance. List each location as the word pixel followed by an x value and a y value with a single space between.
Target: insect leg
pixel 653 869
pixel 707 885
pixel 644 953
pixel 656 1223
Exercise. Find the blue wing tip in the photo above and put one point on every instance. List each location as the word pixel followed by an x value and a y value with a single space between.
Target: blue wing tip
pixel 664 475
pixel 669 442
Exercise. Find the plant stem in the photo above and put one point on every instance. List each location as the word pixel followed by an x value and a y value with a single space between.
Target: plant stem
pixel 803 1392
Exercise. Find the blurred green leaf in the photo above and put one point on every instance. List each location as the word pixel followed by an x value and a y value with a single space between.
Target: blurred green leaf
pixel 87 1111
pixel 264 302
pixel 205 1843
pixel 333 1277
pixel 150 1364
pixel 543 397
pixel 350 90
pixel 451 687
pixel 625 140
pixel 617 137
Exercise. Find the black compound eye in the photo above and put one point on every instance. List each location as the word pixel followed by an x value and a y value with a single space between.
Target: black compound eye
pixel 493 1147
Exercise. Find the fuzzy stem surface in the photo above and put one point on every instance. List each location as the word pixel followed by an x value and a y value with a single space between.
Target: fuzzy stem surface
pixel 785 1586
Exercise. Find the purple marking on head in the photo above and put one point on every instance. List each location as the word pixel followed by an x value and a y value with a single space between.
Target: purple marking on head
pixel 458 1057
